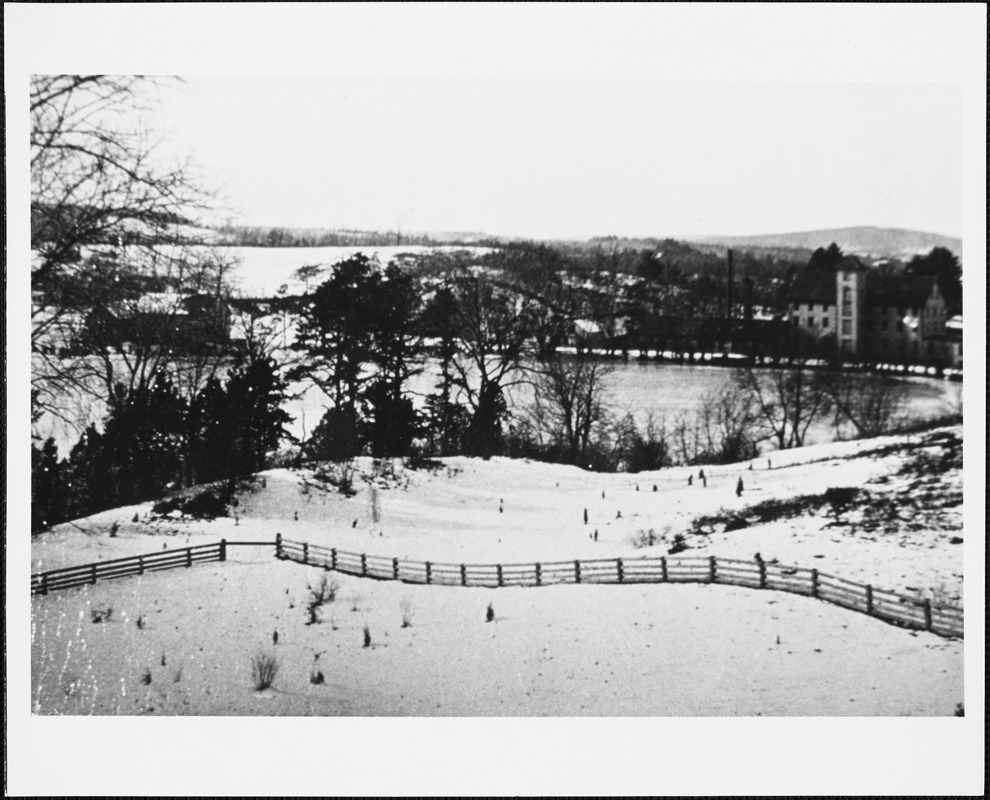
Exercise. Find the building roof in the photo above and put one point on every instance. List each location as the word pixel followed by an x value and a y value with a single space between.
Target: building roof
pixel 812 287
pixel 850 264
pixel 908 291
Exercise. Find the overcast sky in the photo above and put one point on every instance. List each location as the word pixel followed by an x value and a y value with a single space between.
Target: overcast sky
pixel 575 158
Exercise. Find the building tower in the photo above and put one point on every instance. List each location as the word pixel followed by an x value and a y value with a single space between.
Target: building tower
pixel 850 290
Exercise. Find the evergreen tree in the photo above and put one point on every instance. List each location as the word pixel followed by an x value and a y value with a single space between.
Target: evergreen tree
pixel 445 420
pixel 826 259
pixel 943 264
pixel 395 348
pixel 255 393
pixel 89 476
pixel 336 339
pixel 48 491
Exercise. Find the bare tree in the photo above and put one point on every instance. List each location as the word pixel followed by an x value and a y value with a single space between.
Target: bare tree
pixel 492 331
pixel 109 224
pixel 571 403
pixel 872 404
pixel 787 400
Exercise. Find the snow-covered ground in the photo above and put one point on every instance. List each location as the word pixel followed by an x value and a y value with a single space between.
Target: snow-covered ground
pixel 563 651
pixel 648 650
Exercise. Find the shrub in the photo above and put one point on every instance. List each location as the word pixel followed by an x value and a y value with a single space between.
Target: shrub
pixel 264 669
pixel 490 613
pixel 146 676
pixel 643 538
pixel 325 591
pixel 101 614
pixel 367 637
pixel 206 505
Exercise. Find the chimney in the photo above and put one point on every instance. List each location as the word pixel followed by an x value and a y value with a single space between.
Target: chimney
pixel 728 289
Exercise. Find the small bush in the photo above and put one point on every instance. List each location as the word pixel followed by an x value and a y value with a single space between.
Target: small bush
pixel 841 497
pixel 679 545
pixel 325 591
pixel 205 505
pixel 146 676
pixel 367 637
pixel 101 614
pixel 490 613
pixel 643 538
pixel 264 669
pixel 316 677
pixel 960 710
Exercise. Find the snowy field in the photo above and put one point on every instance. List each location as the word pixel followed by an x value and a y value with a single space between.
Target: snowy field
pixel 262 271
pixel 671 650
pixel 645 665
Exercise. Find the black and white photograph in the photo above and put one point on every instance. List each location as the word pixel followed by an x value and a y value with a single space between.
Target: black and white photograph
pixel 493 400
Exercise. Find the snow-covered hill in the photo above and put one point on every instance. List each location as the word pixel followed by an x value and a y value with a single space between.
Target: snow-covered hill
pixel 651 650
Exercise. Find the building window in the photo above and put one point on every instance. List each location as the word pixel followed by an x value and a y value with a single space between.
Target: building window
pixel 847 327
pixel 824 322
pixel 811 322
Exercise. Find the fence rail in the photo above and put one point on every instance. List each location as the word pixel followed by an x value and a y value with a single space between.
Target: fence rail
pixel 86 574
pixel 902 610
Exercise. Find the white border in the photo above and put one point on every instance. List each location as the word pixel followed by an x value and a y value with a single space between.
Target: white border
pixel 943 43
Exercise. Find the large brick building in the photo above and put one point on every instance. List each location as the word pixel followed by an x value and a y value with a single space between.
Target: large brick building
pixel 856 312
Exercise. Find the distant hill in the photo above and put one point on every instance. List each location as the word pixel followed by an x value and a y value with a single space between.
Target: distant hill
pixel 866 240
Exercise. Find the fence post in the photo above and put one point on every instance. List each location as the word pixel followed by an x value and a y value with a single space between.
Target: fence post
pixel 140 565
pixel 663 568
pixel 428 572
pixel 577 572
pixel 711 569
pixel 188 556
pixel 463 575
pixel 305 552
pixel 278 545
pixel 44 583
pixel 814 583
pixel 93 571
pixel 364 565
pixel 539 575
pixel 223 549
pixel 395 569
pixel 498 571
pixel 927 605
pixel 618 566
pixel 869 600
pixel 763 573
pixel 333 558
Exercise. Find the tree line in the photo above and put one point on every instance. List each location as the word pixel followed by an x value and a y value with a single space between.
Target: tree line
pixel 176 417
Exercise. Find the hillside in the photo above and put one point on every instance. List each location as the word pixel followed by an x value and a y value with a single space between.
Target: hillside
pixel 866 240
pixel 181 642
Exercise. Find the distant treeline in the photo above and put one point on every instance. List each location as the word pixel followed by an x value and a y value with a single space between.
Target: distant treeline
pixel 264 236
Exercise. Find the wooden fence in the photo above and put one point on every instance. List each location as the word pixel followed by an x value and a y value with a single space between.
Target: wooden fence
pixel 908 612
pixel 45 582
